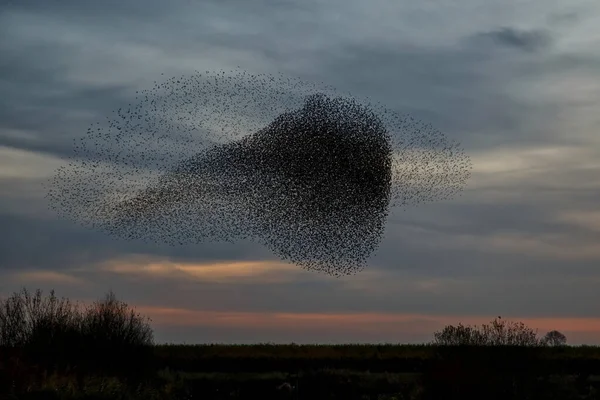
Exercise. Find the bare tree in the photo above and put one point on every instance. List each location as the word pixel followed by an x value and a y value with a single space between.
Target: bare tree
pixel 459 335
pixel 56 333
pixel 498 333
pixel 111 320
pixel 115 338
pixel 32 320
pixel 554 338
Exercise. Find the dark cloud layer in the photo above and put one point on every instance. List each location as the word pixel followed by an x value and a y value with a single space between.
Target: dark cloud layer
pixel 529 41
pixel 30 243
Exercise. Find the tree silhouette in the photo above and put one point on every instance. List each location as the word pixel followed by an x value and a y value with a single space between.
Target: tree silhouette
pixel 554 338
pixel 498 333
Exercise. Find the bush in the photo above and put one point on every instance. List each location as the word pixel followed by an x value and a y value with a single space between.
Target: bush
pixel 54 334
pixel 459 335
pixel 115 338
pixel 554 338
pixel 41 327
pixel 500 360
pixel 498 333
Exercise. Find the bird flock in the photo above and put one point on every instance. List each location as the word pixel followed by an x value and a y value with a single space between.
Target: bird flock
pixel 222 156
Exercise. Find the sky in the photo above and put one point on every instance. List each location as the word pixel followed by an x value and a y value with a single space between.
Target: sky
pixel 517 83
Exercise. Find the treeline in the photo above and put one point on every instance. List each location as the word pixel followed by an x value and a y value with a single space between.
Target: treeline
pixel 497 333
pixel 45 335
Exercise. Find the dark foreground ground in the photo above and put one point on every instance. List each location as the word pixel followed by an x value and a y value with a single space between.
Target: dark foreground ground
pixel 383 372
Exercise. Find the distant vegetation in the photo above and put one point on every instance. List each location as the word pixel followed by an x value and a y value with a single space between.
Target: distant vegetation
pixel 51 348
pixel 47 335
pixel 497 333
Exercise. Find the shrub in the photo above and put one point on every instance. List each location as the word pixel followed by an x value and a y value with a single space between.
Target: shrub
pixel 498 333
pixel 500 360
pixel 459 335
pixel 115 338
pixel 41 327
pixel 107 337
pixel 554 338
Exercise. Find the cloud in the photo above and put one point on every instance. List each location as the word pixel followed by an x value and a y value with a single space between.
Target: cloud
pixel 586 219
pixel 529 41
pixel 502 174
pixel 26 165
pixel 565 18
pixel 30 242
pixel 46 277
pixel 232 272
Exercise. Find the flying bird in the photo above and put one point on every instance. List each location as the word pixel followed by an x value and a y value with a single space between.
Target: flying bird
pixel 300 168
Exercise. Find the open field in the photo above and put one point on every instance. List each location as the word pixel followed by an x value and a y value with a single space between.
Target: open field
pixel 51 349
pixel 338 372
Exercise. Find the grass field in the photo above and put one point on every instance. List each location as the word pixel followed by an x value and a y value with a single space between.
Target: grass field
pixel 53 349
pixel 338 372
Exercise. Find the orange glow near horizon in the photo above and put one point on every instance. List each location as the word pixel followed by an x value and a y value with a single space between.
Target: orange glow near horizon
pixel 366 324
pixel 374 322
pixel 220 271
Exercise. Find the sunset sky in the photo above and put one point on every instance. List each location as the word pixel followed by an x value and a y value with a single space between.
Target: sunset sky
pixel 516 82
